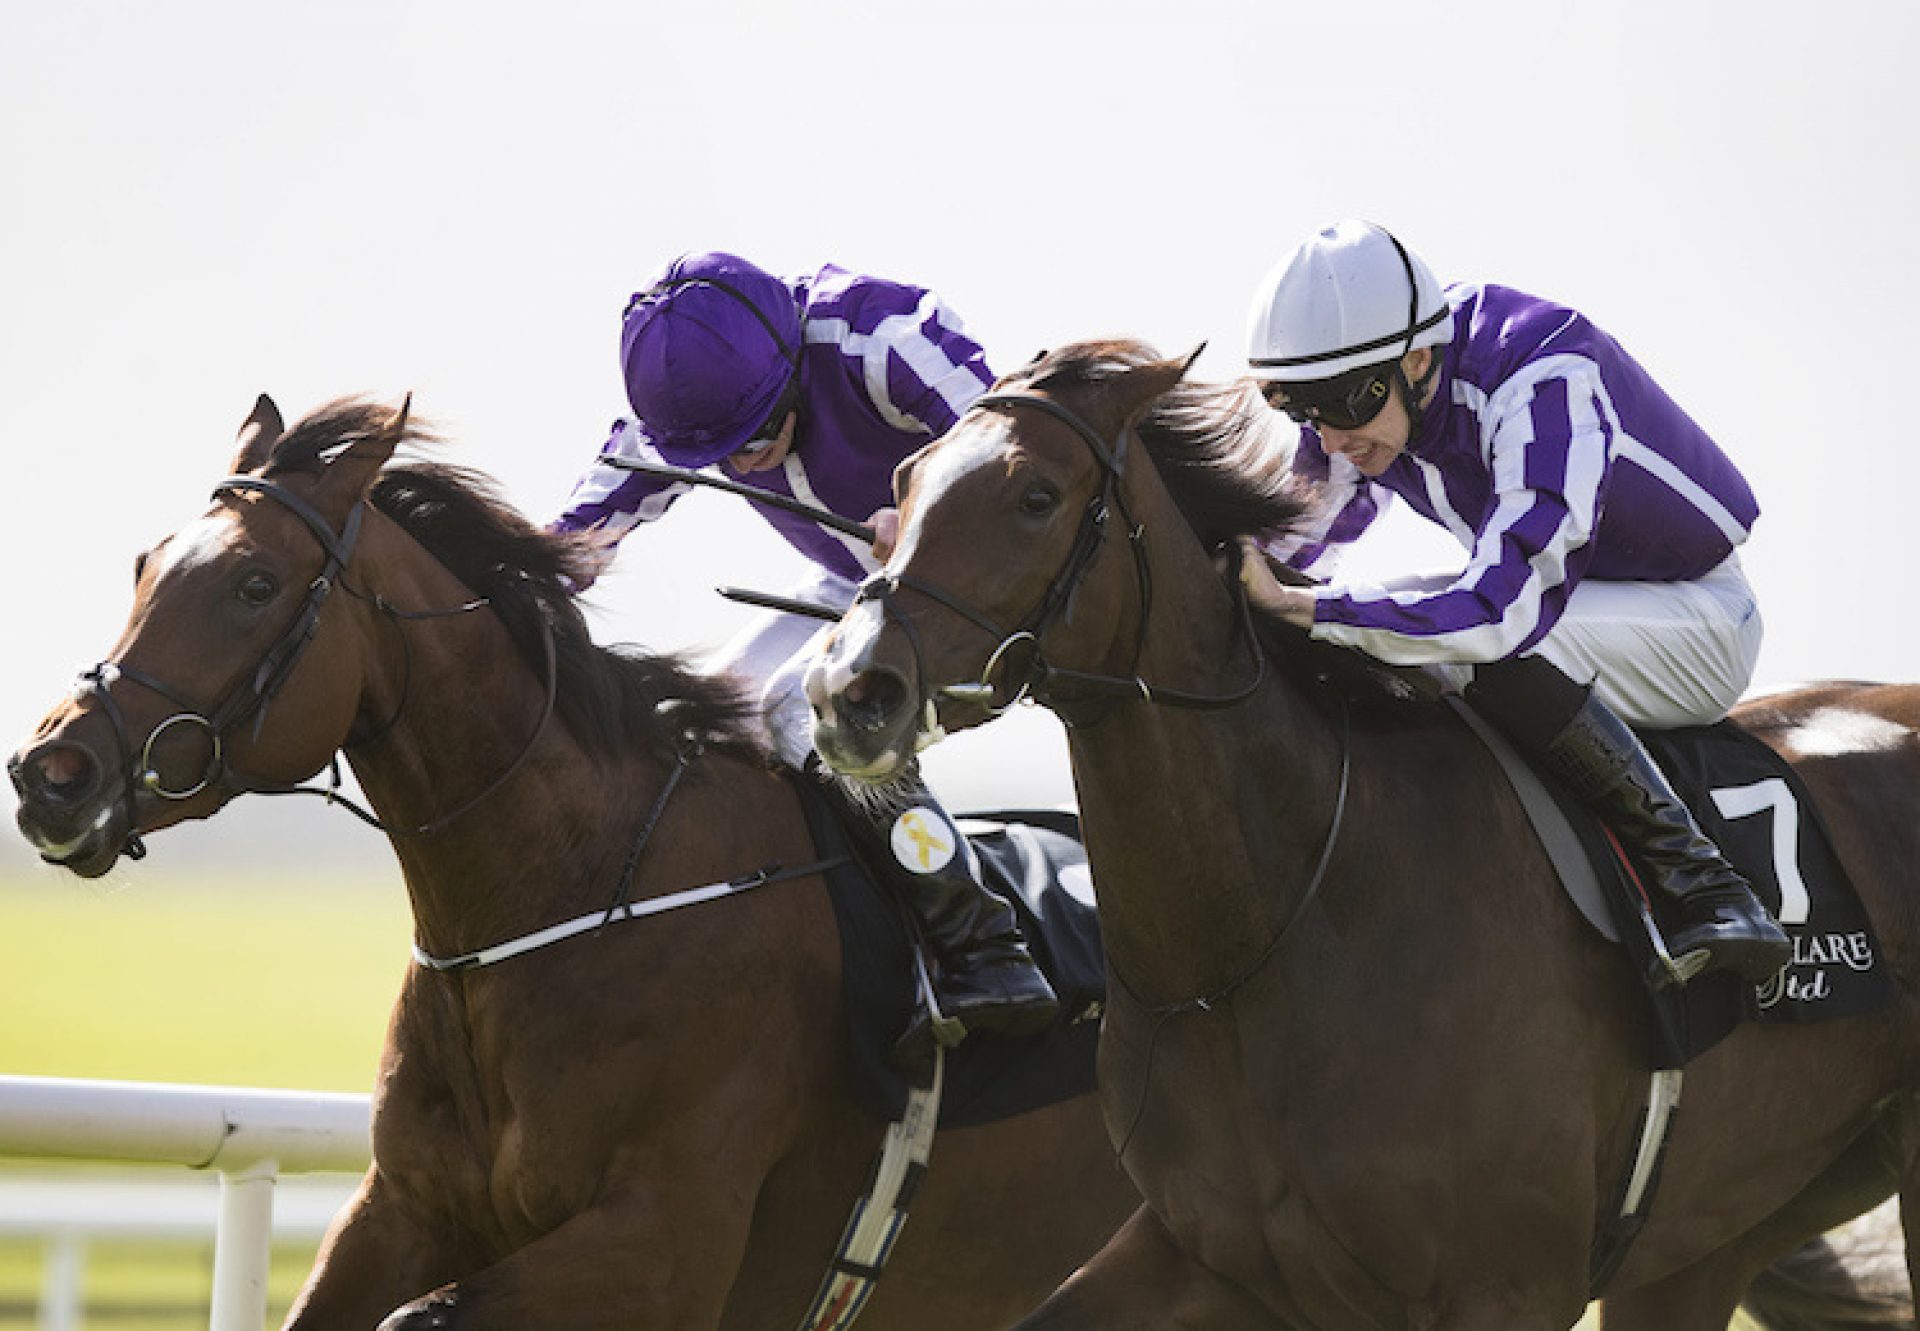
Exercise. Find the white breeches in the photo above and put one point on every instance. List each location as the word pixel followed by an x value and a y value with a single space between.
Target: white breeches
pixel 1660 654
pixel 771 653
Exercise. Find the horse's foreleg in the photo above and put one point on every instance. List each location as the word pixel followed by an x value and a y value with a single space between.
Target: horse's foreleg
pixel 1142 1282
pixel 1702 1296
pixel 375 1257
pixel 624 1264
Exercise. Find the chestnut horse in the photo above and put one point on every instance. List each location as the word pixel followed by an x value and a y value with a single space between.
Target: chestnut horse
pixel 645 1127
pixel 1364 1060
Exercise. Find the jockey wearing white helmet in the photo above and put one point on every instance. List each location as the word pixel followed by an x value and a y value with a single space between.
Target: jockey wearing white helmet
pixel 1339 319
pixel 1600 525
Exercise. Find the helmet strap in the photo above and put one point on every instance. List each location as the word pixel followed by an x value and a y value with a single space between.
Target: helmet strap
pixel 1414 392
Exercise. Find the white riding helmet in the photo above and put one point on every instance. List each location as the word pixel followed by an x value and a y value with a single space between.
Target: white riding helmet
pixel 1351 296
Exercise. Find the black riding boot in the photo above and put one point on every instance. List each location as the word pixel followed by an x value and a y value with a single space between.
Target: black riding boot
pixel 1581 741
pixel 984 978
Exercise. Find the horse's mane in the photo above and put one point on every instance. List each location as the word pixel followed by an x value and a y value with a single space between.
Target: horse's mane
pixel 1214 444
pixel 610 699
pixel 1227 464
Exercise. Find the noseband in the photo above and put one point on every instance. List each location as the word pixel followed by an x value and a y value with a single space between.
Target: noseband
pixel 249 698
pixel 1040 679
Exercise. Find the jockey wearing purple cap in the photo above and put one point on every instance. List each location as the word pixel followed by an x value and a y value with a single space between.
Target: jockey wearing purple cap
pixel 815 388
pixel 1600 524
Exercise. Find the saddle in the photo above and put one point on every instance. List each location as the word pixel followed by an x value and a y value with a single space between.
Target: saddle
pixel 1755 807
pixel 1034 859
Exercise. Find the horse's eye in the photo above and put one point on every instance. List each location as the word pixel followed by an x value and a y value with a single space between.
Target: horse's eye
pixel 1039 500
pixel 258 588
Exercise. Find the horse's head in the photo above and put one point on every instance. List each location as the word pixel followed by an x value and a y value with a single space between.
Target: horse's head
pixel 228 617
pixel 1019 555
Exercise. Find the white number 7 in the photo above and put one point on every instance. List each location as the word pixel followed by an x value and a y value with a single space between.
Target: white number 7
pixel 1773 795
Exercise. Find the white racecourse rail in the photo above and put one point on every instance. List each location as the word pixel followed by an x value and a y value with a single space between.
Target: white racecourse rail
pixel 249 1137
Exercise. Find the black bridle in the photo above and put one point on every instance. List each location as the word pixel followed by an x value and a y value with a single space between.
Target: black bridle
pixel 249 698
pixel 1047 684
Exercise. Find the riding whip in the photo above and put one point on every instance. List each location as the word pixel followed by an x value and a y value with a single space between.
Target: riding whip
pixel 795 506
pixel 768 601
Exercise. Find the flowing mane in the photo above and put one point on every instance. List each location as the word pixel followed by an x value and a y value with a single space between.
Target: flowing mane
pixel 1215 445
pixel 610 699
pixel 1226 462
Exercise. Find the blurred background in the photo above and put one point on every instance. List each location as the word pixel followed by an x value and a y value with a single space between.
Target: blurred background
pixel 207 199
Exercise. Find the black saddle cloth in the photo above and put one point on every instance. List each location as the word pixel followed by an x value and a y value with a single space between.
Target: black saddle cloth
pixel 1035 860
pixel 1761 815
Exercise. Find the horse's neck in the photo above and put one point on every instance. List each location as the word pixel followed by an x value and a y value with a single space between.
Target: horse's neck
pixel 1203 825
pixel 460 705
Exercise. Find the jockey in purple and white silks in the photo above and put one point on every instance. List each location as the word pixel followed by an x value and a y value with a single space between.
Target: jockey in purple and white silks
pixel 816 388
pixel 1600 523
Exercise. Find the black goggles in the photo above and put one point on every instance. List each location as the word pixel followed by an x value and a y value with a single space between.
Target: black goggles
pixel 763 438
pixel 1344 402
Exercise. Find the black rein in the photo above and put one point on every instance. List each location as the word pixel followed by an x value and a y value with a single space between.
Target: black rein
pixel 249 699
pixel 1041 677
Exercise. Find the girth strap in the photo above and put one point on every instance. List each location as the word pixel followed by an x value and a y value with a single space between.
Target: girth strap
pixel 874 1226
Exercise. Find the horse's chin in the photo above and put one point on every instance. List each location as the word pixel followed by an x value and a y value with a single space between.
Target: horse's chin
pixel 90 850
pixel 870 758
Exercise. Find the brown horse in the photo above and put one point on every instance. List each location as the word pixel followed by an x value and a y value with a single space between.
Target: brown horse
pixel 645 1127
pixel 1363 1059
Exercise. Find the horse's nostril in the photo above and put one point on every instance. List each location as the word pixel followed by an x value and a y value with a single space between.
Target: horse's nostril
pixel 61 774
pixel 872 699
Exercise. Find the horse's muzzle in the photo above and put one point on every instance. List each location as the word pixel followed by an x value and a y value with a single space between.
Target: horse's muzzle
pixel 70 813
pixel 863 722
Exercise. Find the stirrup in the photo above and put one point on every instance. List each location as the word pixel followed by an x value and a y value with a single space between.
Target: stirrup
pixel 947 1031
pixel 1677 972
pixel 929 1030
pixel 1664 970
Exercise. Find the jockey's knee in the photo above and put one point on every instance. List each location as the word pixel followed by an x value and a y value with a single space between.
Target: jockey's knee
pixel 1528 697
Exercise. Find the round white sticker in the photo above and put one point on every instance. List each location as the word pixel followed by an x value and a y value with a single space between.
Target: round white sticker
pixel 923 841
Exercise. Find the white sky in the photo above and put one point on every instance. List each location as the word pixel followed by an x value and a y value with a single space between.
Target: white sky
pixel 207 200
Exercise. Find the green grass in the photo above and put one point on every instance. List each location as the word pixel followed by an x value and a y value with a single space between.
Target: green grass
pixel 252 983
pixel 274 981
pixel 161 1286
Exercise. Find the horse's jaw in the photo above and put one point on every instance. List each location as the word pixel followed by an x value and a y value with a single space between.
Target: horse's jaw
pixel 84 818
pixel 88 846
pixel 864 755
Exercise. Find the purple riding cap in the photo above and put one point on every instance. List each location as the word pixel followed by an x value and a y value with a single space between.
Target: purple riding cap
pixel 706 351
pixel 884 367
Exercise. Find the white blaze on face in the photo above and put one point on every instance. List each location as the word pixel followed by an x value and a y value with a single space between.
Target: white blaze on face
pixel 1833 731
pixel 831 671
pixel 195 545
pixel 980 440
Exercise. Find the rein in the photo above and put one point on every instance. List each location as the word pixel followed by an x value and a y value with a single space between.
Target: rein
pixel 1212 999
pixel 250 697
pixel 1040 677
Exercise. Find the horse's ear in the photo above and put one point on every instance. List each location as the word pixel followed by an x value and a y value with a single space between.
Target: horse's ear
pixel 355 467
pixel 1142 387
pixel 258 434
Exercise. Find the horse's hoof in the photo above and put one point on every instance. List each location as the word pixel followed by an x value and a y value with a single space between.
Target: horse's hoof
pixel 435 1312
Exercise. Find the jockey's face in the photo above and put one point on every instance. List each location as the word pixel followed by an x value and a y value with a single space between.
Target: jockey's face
pixel 1371 447
pixel 769 453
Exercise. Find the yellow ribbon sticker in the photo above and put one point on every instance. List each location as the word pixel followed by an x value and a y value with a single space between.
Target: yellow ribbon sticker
pixel 923 841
